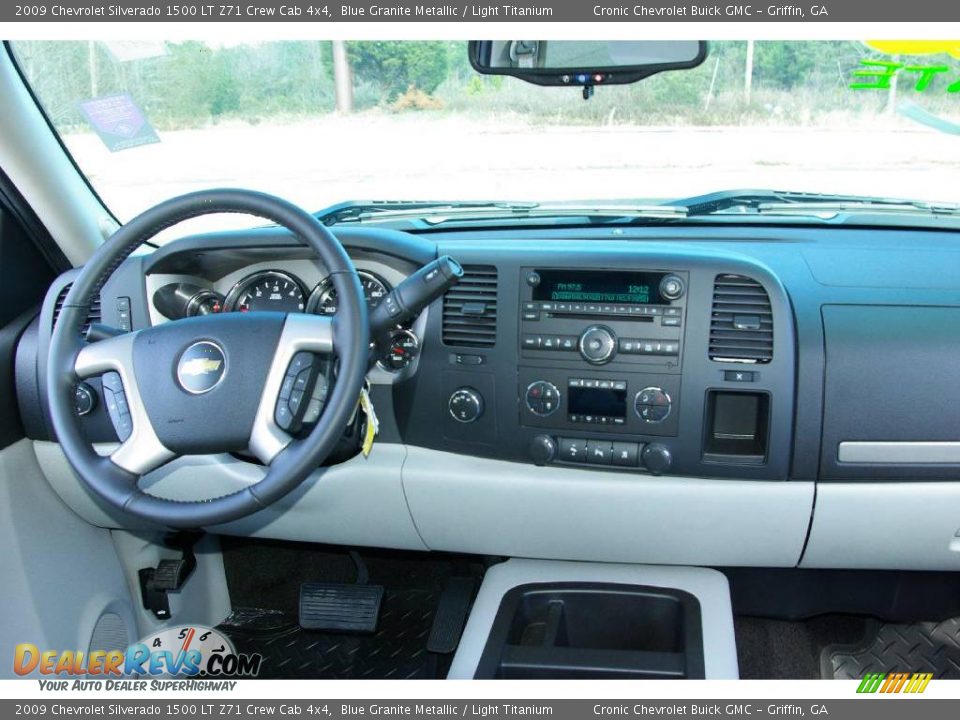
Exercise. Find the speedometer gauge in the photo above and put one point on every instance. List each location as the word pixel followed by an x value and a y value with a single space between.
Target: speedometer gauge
pixel 268 290
pixel 323 299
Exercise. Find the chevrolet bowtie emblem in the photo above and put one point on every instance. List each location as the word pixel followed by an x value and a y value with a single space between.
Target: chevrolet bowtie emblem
pixel 200 366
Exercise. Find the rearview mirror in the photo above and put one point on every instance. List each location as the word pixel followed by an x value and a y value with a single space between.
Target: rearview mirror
pixel 586 63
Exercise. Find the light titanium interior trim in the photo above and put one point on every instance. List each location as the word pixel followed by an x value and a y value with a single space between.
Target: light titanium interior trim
pixel 300 332
pixel 142 451
pixel 900 453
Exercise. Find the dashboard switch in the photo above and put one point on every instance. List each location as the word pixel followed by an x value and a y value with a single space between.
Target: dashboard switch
pixel 572 450
pixel 599 452
pixel 465 405
pixel 626 454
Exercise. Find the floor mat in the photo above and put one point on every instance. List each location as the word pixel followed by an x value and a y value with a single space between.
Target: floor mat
pixel 890 647
pixel 398 648
pixel 790 650
pixel 264 579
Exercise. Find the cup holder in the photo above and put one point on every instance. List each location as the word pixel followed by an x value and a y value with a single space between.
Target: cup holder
pixel 576 630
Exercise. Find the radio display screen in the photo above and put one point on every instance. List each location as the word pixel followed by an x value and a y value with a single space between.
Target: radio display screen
pixel 599 286
pixel 597 401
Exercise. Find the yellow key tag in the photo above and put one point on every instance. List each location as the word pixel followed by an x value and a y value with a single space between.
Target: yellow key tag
pixel 373 424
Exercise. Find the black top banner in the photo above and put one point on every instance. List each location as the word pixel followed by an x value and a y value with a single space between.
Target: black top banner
pixel 390 11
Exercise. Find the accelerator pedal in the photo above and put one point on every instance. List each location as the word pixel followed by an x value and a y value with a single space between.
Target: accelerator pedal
pixel 451 615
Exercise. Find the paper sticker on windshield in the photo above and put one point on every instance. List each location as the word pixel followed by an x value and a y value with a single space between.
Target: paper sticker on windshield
pixel 119 122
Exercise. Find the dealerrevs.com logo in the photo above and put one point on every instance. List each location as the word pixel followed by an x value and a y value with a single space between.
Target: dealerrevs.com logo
pixel 190 651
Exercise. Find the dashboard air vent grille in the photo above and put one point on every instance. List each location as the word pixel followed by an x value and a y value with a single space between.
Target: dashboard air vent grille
pixel 94 316
pixel 470 308
pixel 741 324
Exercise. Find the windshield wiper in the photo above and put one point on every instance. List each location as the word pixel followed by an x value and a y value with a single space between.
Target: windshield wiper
pixel 823 205
pixel 442 212
pixel 359 210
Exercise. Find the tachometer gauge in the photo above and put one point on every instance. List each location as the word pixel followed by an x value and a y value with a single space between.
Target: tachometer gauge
pixel 269 290
pixel 401 351
pixel 323 299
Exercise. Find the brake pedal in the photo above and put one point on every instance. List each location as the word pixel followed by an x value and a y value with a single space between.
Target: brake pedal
pixel 339 607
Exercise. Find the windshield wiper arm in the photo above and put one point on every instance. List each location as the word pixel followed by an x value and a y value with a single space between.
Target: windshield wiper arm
pixel 785 202
pixel 440 213
pixel 358 210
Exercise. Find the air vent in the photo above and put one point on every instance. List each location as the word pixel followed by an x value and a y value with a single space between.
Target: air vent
pixel 741 326
pixel 93 316
pixel 470 308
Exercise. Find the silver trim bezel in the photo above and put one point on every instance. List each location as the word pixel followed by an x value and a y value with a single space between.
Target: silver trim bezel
pixel 142 451
pixel 921 452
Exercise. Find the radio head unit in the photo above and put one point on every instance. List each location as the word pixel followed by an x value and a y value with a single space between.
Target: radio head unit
pixel 599 316
pixel 606 287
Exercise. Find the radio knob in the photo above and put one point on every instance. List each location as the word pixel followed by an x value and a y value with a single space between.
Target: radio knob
pixel 656 458
pixel 672 288
pixel 598 344
pixel 466 405
pixel 543 449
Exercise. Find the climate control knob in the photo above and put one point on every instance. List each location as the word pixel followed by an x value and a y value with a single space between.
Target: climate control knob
pixel 656 458
pixel 466 405
pixel 542 398
pixel 652 405
pixel 598 344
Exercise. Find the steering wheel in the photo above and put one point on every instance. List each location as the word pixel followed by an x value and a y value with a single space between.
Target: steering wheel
pixel 207 384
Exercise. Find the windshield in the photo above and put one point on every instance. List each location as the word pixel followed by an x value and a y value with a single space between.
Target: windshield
pixel 321 122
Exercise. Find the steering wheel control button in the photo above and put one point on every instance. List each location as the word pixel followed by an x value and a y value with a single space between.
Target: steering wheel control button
pixel 115 400
pixel 598 344
pixel 84 399
pixel 465 405
pixel 201 367
pixel 295 403
pixel 652 405
pixel 542 398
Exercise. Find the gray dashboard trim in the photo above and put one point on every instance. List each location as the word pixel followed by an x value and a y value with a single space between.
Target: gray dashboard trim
pixel 476 505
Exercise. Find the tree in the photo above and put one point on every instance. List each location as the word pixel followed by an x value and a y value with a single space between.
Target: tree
pixel 395 66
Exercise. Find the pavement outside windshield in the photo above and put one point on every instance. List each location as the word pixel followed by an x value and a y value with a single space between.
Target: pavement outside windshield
pixel 417 156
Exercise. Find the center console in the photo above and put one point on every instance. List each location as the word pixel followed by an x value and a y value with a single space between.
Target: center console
pixel 537 619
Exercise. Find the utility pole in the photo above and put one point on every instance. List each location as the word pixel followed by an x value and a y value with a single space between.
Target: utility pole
pixel 342 81
pixel 92 66
pixel 748 73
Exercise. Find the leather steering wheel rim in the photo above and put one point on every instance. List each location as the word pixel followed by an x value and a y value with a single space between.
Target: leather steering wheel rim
pixel 291 465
